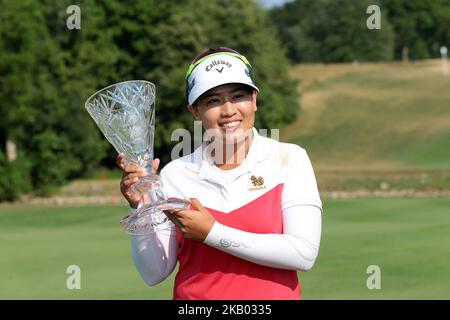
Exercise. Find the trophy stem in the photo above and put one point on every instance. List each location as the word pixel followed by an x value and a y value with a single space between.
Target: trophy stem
pixel 151 191
pixel 149 216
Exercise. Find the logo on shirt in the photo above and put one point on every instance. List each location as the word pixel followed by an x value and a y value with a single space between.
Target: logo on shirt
pixel 258 183
pixel 226 243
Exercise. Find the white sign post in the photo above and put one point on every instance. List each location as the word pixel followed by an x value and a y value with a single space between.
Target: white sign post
pixel 444 60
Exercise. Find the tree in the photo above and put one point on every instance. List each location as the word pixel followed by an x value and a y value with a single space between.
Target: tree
pixel 48 72
pixel 421 26
pixel 332 31
pixel 31 67
pixel 41 107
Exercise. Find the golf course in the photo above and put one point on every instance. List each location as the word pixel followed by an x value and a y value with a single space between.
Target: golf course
pixel 371 127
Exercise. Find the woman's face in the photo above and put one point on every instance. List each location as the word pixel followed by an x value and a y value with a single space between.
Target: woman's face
pixel 228 109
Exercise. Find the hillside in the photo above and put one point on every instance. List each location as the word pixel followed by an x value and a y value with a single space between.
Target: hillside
pixel 375 126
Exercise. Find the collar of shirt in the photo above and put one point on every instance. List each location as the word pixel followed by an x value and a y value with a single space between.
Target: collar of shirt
pixel 204 165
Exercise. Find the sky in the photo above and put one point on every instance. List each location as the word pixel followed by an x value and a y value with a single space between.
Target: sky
pixel 272 3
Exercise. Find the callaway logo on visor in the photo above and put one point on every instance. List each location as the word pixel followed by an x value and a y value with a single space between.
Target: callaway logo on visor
pixel 216 64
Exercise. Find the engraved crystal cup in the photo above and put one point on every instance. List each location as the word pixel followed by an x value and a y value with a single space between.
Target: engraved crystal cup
pixel 125 114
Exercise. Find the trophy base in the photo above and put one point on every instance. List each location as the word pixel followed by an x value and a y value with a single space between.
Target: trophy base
pixel 152 219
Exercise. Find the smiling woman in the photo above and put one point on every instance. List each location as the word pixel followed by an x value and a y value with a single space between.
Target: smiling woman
pixel 255 214
pixel 227 111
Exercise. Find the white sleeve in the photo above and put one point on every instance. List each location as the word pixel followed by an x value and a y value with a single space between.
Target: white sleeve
pixel 155 255
pixel 296 249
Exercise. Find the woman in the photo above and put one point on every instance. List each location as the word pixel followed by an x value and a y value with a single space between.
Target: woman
pixel 255 215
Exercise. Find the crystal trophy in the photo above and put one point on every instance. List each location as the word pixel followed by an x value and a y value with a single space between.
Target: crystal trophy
pixel 125 114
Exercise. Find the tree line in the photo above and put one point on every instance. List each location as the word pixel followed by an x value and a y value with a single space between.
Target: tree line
pixel 48 71
pixel 336 30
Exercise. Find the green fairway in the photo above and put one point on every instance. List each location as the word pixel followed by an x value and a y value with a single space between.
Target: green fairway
pixel 38 244
pixel 408 239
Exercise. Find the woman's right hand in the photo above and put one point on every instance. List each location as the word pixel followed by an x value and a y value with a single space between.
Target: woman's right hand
pixel 131 174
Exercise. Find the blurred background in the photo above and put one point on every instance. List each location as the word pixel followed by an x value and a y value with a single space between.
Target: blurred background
pixel 367 95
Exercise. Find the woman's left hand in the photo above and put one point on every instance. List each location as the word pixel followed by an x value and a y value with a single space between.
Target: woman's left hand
pixel 193 224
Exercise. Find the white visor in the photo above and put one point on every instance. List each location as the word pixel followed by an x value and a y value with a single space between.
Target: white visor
pixel 217 70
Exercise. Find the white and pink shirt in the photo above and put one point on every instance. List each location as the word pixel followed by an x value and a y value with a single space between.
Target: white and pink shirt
pixel 268 225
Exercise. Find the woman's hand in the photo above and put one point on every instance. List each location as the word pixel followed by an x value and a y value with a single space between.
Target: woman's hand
pixel 131 174
pixel 193 224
